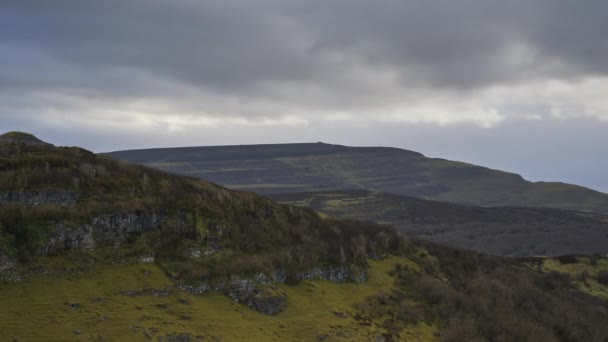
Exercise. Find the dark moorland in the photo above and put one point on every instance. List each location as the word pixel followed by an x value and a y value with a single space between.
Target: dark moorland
pixel 284 168
pixel 509 231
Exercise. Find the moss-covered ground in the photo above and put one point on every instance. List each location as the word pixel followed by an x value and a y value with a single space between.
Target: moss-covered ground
pixel 90 306
pixel 584 272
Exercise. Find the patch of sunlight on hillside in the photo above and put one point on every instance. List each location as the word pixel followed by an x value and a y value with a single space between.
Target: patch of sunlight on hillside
pixel 584 274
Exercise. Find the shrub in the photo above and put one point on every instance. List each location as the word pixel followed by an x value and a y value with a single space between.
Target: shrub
pixel 602 278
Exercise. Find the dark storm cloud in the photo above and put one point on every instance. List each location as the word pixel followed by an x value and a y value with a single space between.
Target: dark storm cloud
pixel 420 74
pixel 244 47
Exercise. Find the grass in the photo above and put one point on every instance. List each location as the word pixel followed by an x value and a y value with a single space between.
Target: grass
pixel 584 273
pixel 38 309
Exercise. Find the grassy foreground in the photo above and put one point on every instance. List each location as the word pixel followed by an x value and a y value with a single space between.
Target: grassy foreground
pixel 90 306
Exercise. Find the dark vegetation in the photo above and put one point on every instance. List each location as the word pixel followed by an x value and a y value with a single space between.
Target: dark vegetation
pixel 286 168
pixel 602 278
pixel 249 233
pixel 510 231
pixel 474 297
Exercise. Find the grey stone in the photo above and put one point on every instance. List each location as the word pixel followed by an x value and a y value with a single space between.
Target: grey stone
pixel 147 292
pixel 6 264
pixel 267 303
pixel 35 198
pixel 253 291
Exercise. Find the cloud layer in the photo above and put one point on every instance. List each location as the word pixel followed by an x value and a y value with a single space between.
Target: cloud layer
pixel 175 69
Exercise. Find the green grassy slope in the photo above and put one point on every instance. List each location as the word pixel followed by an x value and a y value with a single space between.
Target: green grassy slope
pixel 52 307
pixel 433 294
pixel 286 168
pixel 513 231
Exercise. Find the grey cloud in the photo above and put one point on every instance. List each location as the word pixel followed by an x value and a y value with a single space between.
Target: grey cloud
pixel 66 64
pixel 245 47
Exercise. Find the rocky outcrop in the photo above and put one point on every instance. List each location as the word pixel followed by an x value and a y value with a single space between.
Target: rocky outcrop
pixel 6 264
pixel 115 229
pixel 259 292
pixel 112 229
pixel 35 198
pixel 64 238
pixel 334 273
pixel 267 300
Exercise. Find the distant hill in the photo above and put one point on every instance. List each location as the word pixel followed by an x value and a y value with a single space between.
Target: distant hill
pixel 511 231
pixel 285 168
pixel 21 138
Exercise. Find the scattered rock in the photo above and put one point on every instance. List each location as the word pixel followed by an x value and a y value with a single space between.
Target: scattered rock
pixel 147 292
pixel 6 264
pixel 268 301
pixel 77 331
pixel 147 333
pixel 36 198
pixel 195 254
pixel 147 259
pixel 73 306
pixel 339 314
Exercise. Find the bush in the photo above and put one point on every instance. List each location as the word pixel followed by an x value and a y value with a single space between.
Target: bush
pixel 602 278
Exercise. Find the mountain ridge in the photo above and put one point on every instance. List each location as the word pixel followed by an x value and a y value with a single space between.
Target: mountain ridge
pixel 284 168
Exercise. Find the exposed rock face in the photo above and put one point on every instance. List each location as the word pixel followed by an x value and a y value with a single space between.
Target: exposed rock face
pixel 35 198
pixel 117 228
pixel 63 238
pixel 259 293
pixel 267 301
pixel 113 229
pixel 214 239
pixel 334 273
pixel 6 264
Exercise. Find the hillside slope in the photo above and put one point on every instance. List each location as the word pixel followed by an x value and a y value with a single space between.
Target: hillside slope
pixel 509 231
pixel 96 249
pixel 63 199
pixel 283 168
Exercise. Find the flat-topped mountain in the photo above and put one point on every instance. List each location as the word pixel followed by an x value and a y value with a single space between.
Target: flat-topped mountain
pixel 285 168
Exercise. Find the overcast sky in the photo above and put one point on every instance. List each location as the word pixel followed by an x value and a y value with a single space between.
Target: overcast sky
pixel 519 85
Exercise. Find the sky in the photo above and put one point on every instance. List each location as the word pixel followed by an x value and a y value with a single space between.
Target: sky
pixel 518 85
